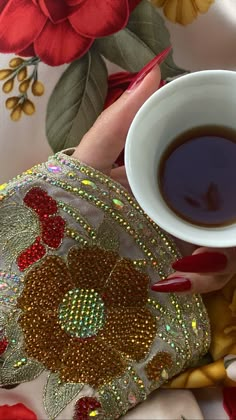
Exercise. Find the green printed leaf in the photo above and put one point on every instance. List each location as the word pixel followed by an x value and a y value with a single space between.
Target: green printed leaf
pixel 76 101
pixel 144 37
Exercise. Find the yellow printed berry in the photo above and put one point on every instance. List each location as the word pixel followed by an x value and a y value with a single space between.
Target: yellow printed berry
pixel 24 86
pixel 5 73
pixel 37 88
pixel 15 62
pixel 8 86
pixel 28 107
pixel 22 74
pixel 12 102
pixel 16 113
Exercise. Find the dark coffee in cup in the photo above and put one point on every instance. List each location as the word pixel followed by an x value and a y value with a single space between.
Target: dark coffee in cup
pixel 197 176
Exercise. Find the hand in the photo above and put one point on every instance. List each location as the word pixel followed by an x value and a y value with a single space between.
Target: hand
pixel 103 143
pixel 206 270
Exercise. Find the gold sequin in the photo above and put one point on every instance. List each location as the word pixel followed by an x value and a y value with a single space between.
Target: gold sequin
pixel 3 187
pixel 159 366
pixel 118 203
pixel 89 183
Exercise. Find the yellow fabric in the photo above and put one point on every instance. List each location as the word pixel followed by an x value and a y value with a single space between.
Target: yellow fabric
pixel 221 307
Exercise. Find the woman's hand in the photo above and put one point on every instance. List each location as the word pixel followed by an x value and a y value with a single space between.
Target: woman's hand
pixel 103 143
pixel 206 270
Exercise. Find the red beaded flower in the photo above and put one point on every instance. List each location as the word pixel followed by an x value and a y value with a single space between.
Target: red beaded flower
pixel 52 227
pixel 86 408
pixel 3 342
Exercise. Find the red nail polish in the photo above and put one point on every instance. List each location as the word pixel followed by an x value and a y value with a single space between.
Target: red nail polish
pixel 206 262
pixel 146 69
pixel 173 285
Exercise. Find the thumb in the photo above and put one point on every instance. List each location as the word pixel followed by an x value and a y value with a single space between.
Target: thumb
pixel 103 143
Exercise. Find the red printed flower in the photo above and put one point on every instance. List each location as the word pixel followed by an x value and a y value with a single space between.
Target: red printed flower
pixel 117 84
pixel 16 412
pixel 51 225
pixel 59 31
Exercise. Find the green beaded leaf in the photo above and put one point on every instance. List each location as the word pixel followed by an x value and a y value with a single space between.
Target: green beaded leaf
pixel 58 395
pixel 14 335
pixel 11 286
pixel 144 37
pixel 76 101
pixel 4 316
pixel 121 394
pixel 17 369
pixel 19 227
pixel 107 236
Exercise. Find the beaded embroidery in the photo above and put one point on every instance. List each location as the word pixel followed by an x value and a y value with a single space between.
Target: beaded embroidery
pixel 24 235
pixel 61 320
pixel 87 408
pixel 83 308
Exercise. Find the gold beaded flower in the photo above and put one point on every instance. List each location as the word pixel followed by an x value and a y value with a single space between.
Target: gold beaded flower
pixel 183 11
pixel 86 318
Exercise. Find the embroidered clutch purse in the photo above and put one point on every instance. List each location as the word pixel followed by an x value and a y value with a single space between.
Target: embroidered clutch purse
pixel 77 258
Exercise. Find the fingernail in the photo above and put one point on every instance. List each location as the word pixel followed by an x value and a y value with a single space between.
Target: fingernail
pixel 173 285
pixel 146 69
pixel 206 262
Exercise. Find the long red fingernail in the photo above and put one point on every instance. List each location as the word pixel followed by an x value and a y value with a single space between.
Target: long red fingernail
pixel 146 69
pixel 173 285
pixel 206 262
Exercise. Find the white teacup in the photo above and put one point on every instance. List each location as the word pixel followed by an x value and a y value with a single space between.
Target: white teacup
pixel 198 99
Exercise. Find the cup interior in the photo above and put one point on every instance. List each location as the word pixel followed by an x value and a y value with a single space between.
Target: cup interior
pixel 199 99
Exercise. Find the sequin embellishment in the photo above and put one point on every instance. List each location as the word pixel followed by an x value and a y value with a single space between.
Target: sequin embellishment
pixel 118 204
pixel 2 191
pixel 81 313
pixel 89 183
pixel 53 168
pixel 107 347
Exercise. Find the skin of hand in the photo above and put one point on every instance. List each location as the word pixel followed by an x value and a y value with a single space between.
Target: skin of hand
pixel 100 148
pixel 206 270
